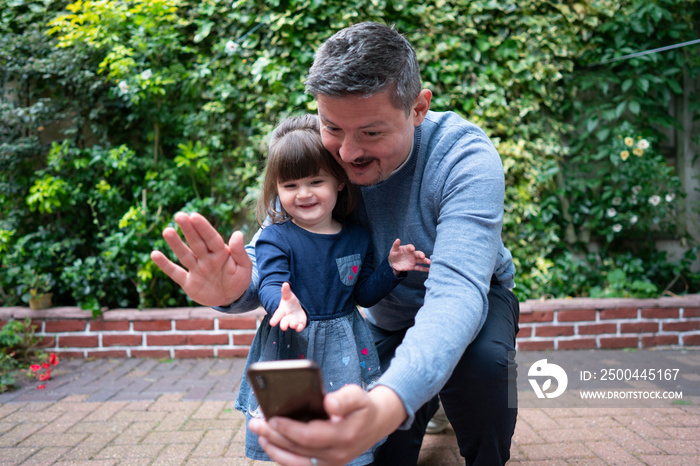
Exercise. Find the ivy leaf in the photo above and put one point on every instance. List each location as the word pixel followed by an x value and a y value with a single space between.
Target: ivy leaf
pixel 203 32
pixel 634 107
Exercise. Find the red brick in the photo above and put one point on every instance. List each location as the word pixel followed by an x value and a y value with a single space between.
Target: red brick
pixel 578 315
pixel 237 323
pixel 233 353
pixel 194 353
pixel 524 332
pixel 122 340
pixel 580 343
pixel 691 340
pixel 554 331
pixel 596 329
pixel 535 345
pixel 152 325
pixel 55 326
pixel 47 341
pixel 618 342
pixel 194 324
pixel 78 341
pixel 221 339
pixel 661 313
pixel 691 312
pixel 107 354
pixel 109 326
pixel 166 340
pixel 684 326
pixel 639 327
pixel 160 354
pixel 36 324
pixel 537 316
pixel 622 313
pixel 660 340
pixel 243 339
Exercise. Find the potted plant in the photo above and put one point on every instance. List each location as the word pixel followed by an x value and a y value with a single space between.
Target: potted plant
pixel 36 289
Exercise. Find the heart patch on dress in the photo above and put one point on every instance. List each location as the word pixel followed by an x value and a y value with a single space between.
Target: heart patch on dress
pixel 364 351
pixel 346 360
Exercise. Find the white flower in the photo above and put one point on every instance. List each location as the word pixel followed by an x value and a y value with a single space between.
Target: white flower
pixel 636 189
pixel 617 228
pixel 146 74
pixel 643 144
pixel 670 197
pixel 634 200
pixel 123 87
pixel 654 200
pixel 617 200
pixel 633 219
pixel 612 212
pixel 231 47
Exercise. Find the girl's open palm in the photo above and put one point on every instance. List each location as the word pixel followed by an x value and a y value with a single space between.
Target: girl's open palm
pixel 406 258
pixel 289 314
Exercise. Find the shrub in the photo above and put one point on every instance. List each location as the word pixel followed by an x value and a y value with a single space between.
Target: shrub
pixel 117 114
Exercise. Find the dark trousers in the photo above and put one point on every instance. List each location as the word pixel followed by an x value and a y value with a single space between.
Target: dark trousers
pixel 480 398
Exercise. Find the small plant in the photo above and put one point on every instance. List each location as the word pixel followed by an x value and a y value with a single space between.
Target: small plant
pixel 619 286
pixel 42 370
pixel 20 351
pixel 35 285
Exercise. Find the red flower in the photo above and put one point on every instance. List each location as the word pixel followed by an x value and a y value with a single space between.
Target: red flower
pixel 41 387
pixel 45 365
pixel 53 359
pixel 35 367
pixel 43 377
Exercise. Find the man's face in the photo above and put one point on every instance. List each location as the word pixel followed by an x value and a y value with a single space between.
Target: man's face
pixel 368 135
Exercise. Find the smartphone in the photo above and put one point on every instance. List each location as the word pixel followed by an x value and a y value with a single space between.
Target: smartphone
pixel 289 388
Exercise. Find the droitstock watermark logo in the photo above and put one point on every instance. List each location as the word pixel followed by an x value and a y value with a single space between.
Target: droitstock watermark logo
pixel 616 378
pixel 546 372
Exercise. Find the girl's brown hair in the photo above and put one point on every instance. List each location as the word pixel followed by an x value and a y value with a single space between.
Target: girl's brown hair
pixel 296 151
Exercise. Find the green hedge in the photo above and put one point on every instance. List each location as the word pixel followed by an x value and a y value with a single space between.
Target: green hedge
pixel 117 114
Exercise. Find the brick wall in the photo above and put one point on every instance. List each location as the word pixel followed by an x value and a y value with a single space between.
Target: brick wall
pixel 124 333
pixel 565 324
pixel 561 324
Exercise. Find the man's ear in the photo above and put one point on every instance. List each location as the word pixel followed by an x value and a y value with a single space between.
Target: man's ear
pixel 421 106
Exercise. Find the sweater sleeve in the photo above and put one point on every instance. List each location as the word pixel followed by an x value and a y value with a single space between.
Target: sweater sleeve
pixel 249 301
pixel 467 185
pixel 273 269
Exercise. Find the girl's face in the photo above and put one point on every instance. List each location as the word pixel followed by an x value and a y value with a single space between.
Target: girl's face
pixel 310 201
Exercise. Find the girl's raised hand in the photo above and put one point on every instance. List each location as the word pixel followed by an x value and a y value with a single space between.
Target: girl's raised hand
pixel 406 258
pixel 289 314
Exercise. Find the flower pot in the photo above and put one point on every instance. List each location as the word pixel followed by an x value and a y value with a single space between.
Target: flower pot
pixel 41 301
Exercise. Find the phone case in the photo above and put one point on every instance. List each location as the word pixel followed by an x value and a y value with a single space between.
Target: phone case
pixel 289 388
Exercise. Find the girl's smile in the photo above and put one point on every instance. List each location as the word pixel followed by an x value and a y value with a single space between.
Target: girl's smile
pixel 310 201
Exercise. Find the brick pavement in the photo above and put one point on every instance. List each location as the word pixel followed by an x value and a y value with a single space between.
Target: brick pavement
pixel 171 412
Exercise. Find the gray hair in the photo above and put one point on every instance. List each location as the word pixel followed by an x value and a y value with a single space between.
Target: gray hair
pixel 363 60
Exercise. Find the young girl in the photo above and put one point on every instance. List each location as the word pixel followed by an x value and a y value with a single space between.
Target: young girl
pixel 313 268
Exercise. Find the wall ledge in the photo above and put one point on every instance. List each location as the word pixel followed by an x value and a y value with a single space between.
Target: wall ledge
pixel 194 332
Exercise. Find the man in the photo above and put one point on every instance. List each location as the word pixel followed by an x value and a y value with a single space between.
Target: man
pixel 432 179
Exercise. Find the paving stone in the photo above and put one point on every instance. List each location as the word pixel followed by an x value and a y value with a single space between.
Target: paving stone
pixel 181 412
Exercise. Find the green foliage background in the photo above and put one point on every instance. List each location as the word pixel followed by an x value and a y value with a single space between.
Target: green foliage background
pixel 117 114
